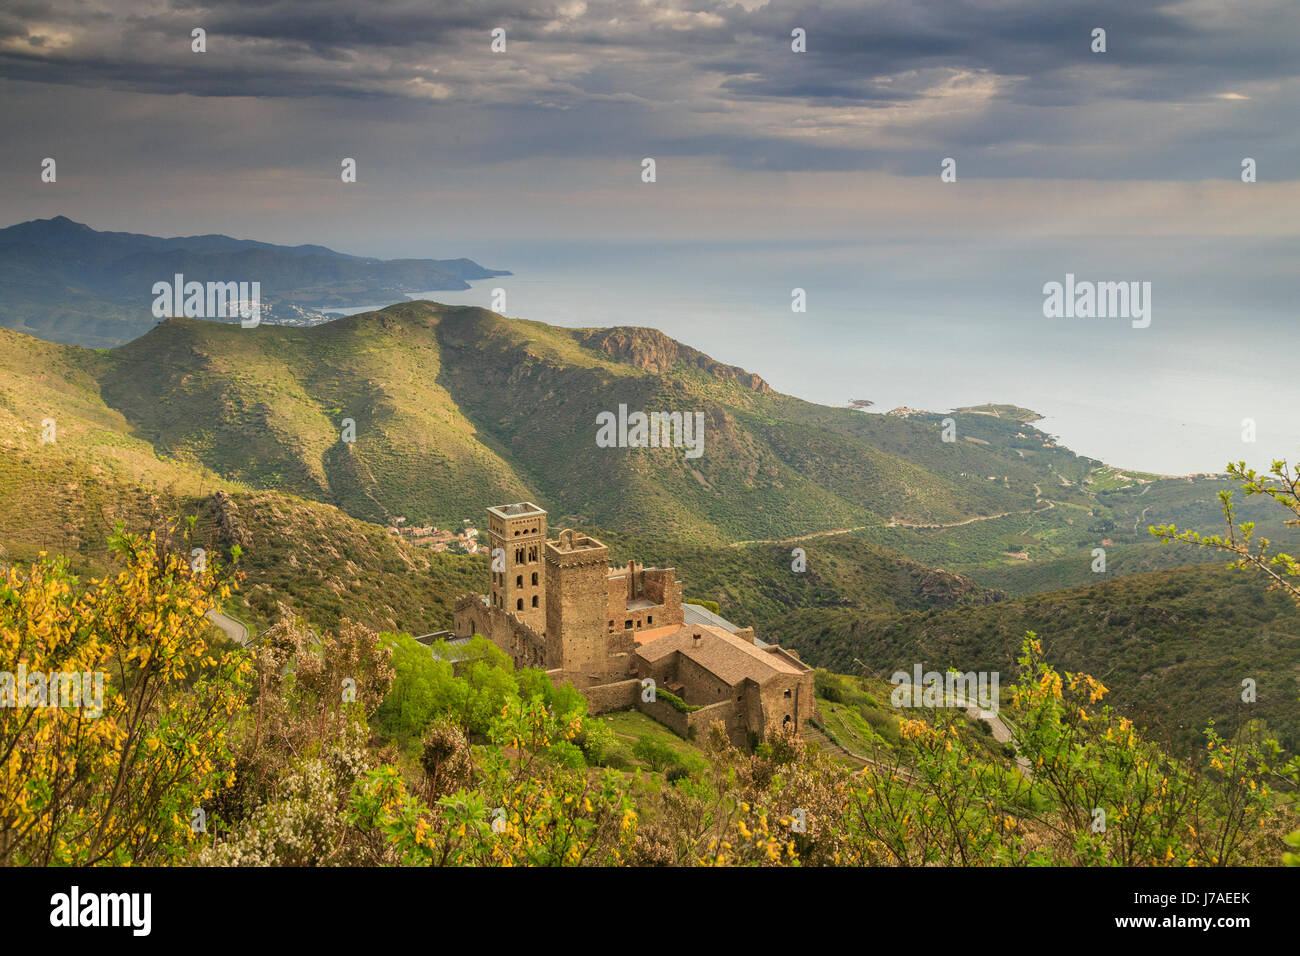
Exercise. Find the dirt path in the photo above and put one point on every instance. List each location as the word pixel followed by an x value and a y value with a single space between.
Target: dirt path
pixel 1001 733
pixel 894 523
pixel 802 537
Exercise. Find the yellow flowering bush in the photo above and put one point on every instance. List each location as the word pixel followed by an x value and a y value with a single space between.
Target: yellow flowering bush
pixel 83 786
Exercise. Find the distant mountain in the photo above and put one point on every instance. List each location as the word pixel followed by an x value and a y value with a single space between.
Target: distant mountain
pixel 66 282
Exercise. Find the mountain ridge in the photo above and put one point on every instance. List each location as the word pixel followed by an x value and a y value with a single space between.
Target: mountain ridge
pixel 453 407
pixel 67 282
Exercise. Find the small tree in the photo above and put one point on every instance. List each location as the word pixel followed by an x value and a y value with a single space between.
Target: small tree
pixel 1282 484
pixel 1282 569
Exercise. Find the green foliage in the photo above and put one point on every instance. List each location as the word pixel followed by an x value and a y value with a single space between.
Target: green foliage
pixel 107 770
pixel 657 756
pixel 675 702
pixel 423 689
pixel 1281 485
pixel 1174 646
pixel 565 699
pixel 601 745
pixel 1293 841
pixel 566 754
pixel 468 684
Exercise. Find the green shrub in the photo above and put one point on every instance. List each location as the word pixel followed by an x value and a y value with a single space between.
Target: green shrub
pixel 830 686
pixel 601 746
pixel 882 722
pixel 656 755
pixel 566 755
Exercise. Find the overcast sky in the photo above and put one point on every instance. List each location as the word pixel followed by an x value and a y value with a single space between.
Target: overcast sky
pixel 751 140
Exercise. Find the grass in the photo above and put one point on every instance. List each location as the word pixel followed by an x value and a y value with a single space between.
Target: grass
pixel 848 728
pixel 632 727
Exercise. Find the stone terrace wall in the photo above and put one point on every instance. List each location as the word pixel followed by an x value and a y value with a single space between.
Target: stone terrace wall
pixel 666 714
pixel 699 721
pixel 618 696
pixel 723 711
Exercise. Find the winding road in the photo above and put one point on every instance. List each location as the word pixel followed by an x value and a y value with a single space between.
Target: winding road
pixel 234 630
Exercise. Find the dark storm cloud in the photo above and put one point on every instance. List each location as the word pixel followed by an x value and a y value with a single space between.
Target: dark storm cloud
pixel 708 77
pixel 850 45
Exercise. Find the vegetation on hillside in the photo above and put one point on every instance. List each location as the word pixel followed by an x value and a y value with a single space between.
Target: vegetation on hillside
pixel 330 749
pixel 457 407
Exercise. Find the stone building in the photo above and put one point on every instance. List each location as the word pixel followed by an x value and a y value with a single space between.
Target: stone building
pixel 560 606
pixel 705 666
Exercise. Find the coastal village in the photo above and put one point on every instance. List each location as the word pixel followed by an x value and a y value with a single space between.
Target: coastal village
pixel 464 541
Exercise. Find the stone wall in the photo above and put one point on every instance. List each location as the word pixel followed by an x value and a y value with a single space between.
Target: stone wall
pixel 666 714
pixel 525 646
pixel 634 583
pixel 787 696
pixel 660 585
pixel 471 616
pixel 699 686
pixel 695 724
pixel 618 696
pixel 724 712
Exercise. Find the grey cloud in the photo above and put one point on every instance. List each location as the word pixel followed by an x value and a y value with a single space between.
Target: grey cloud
pixel 709 78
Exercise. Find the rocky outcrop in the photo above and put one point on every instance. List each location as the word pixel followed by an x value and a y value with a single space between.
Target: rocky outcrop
pixel 226 515
pixel 651 350
pixel 946 589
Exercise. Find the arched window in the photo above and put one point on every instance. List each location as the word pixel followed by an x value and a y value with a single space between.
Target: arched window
pixel 519 604
pixel 534 579
pixel 534 600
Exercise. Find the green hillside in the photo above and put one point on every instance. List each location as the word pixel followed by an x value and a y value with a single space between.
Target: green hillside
pixel 912 543
pixel 455 407
pixel 1173 647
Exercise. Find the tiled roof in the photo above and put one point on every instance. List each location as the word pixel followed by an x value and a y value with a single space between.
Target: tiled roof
pixel 649 634
pixel 721 653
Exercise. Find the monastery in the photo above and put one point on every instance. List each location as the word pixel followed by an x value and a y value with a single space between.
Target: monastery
pixel 616 632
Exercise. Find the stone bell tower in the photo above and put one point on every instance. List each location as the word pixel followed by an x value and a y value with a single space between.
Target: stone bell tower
pixel 516 541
